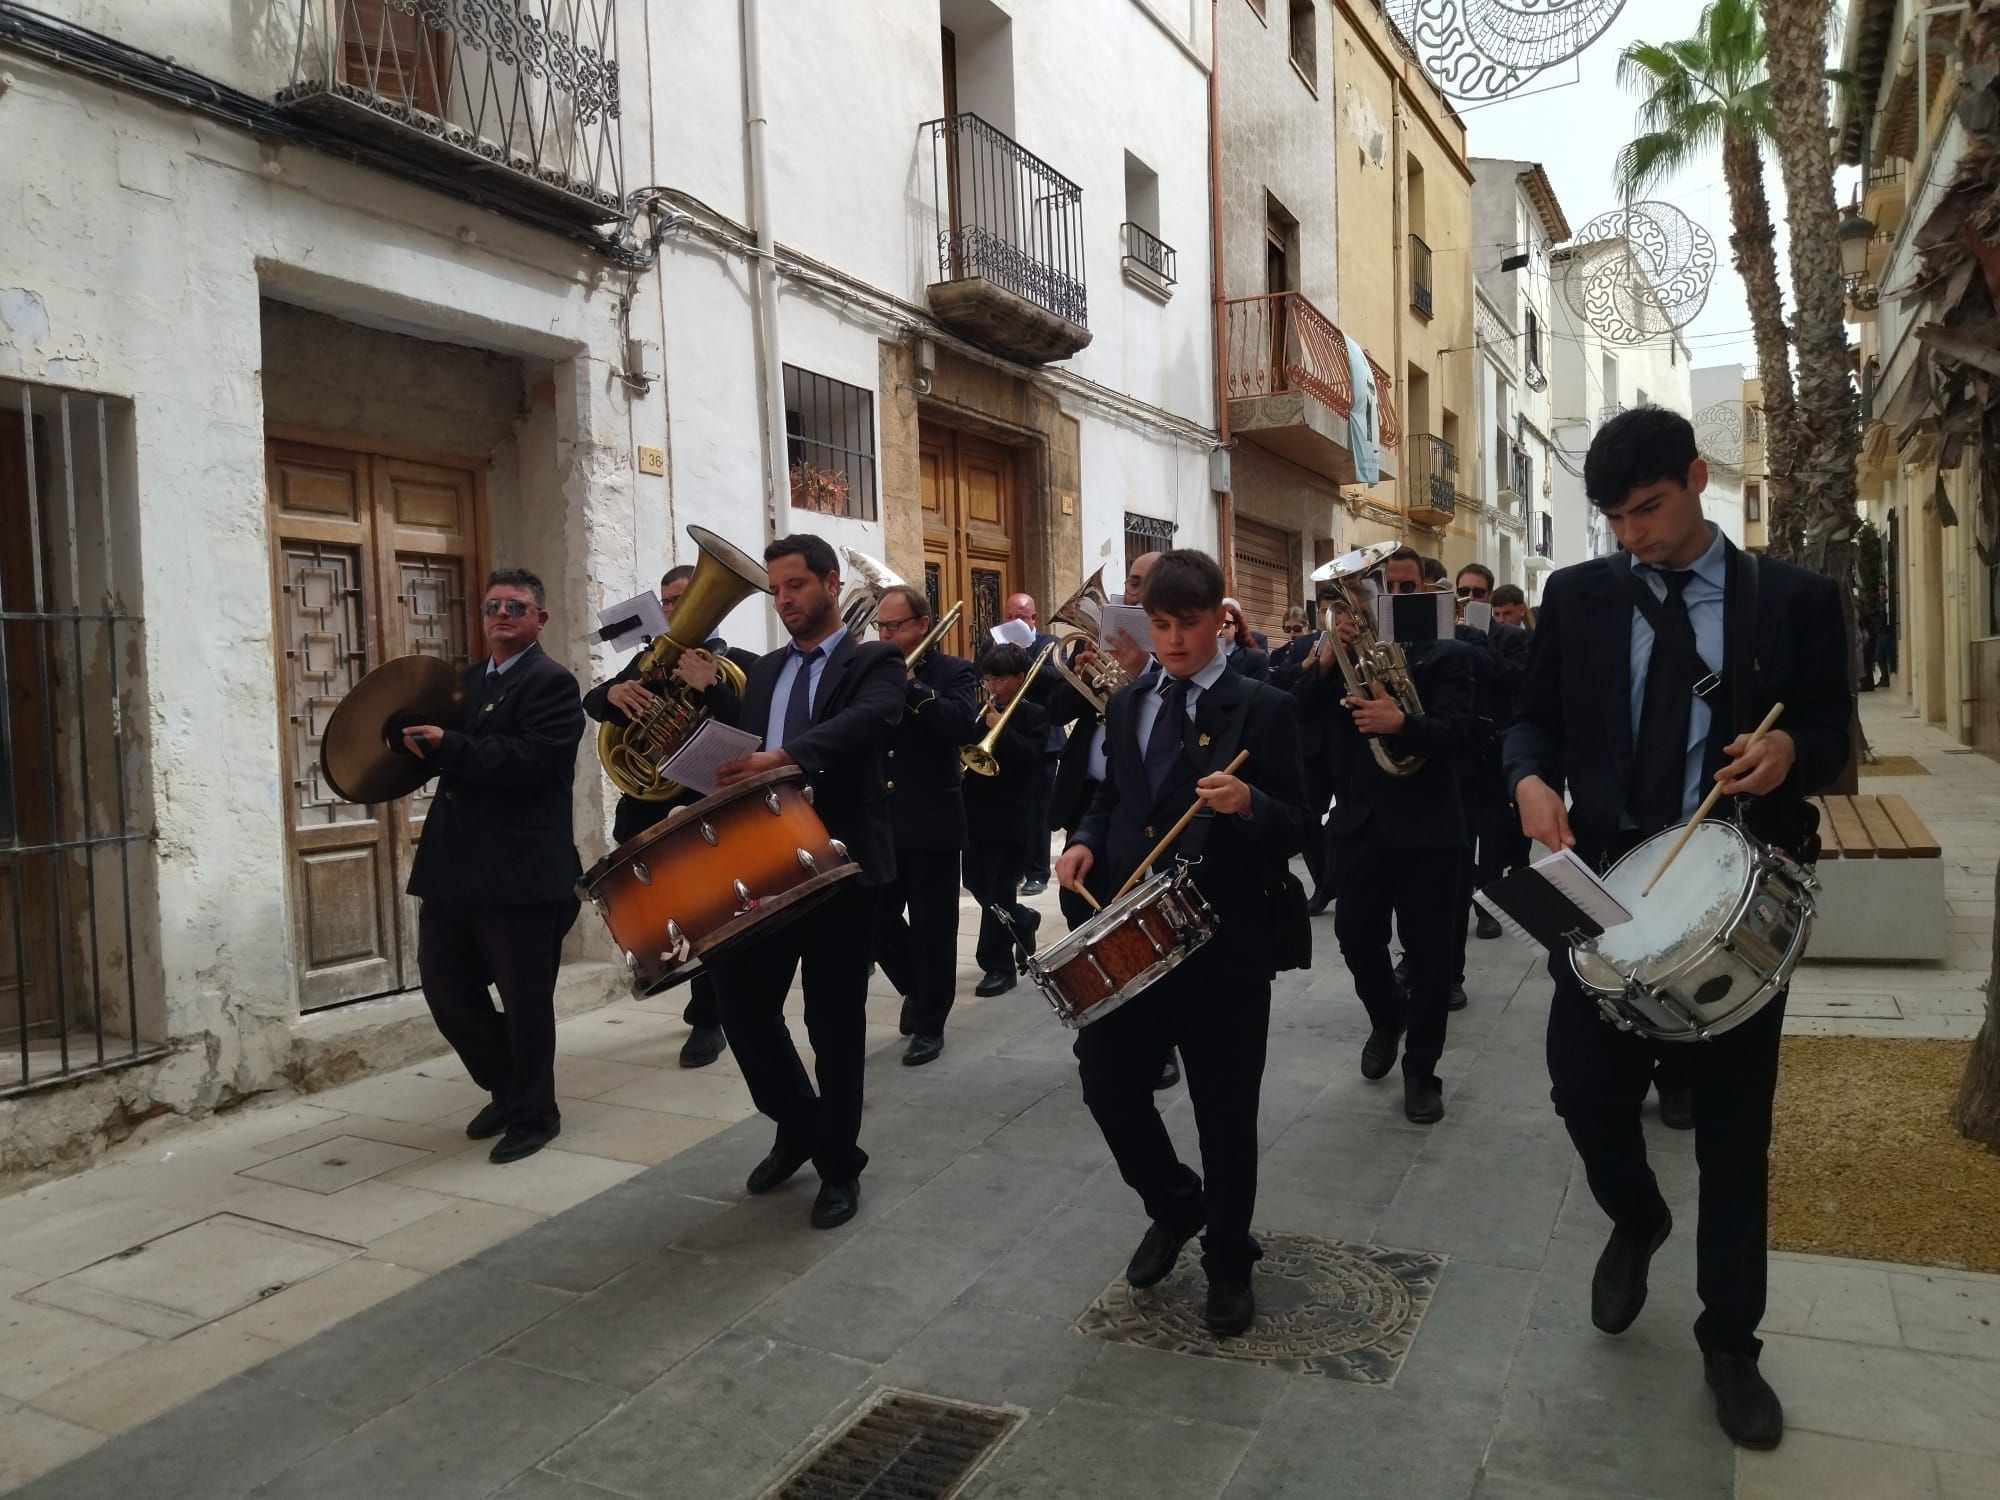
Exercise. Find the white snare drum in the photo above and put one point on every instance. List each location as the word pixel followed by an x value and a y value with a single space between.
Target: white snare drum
pixel 1124 948
pixel 1716 940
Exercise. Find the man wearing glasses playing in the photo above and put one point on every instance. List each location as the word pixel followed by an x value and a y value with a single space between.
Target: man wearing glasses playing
pixel 496 869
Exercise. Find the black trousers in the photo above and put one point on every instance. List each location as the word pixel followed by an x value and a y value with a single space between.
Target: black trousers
pixel 752 982
pixel 1216 1008
pixel 463 952
pixel 1415 888
pixel 632 818
pixel 1503 848
pixel 993 876
pixel 1035 861
pixel 1319 797
pixel 916 935
pixel 1599 1076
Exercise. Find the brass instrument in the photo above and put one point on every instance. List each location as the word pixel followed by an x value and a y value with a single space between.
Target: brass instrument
pixel 1077 625
pixel 933 636
pixel 1371 660
pixel 979 758
pixel 870 579
pixel 634 752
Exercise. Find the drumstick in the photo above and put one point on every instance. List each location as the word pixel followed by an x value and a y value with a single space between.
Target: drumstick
pixel 1175 831
pixel 1707 803
pixel 1086 896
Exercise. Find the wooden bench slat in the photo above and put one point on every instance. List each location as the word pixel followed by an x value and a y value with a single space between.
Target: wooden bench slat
pixel 1882 831
pixel 1918 841
pixel 1854 840
pixel 1829 836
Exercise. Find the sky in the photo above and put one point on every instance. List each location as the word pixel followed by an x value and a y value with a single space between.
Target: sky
pixel 1576 124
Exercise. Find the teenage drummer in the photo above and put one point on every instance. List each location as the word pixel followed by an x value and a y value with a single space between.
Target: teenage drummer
pixel 1167 739
pixel 1648 671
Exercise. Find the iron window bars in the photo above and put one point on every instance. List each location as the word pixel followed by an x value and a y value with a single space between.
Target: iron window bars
pixel 830 444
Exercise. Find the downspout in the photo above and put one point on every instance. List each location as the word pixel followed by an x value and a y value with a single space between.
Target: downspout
pixel 764 278
pixel 1399 294
pixel 1225 498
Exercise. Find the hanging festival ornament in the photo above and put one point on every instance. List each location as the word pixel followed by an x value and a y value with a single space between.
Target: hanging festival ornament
pixel 1637 273
pixel 1718 433
pixel 1477 51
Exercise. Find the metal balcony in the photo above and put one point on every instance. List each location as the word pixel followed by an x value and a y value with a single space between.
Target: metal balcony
pixel 1420 276
pixel 1432 478
pixel 1010 269
pixel 522 92
pixel 1291 387
pixel 1148 260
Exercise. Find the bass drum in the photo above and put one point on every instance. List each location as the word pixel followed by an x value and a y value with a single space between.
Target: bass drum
pixel 714 872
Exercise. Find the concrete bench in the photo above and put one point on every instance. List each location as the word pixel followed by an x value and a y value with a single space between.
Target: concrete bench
pixel 1881 882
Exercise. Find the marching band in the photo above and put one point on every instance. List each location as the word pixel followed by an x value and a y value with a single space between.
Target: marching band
pixel 869 779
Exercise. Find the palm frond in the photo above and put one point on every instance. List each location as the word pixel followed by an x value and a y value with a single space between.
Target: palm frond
pixel 1652 159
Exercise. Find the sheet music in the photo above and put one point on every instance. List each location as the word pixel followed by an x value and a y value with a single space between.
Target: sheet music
pixel 710 747
pixel 1014 633
pixel 1124 624
pixel 632 621
pixel 1579 882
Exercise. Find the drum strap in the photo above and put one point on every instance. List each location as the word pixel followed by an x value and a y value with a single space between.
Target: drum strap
pixel 1739 668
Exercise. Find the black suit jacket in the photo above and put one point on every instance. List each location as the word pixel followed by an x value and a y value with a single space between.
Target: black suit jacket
pixel 1242 858
pixel 860 699
pixel 997 807
pixel 1289 663
pixel 1573 720
pixel 940 712
pixel 1252 662
pixel 1420 811
pixel 498 832
pixel 1071 794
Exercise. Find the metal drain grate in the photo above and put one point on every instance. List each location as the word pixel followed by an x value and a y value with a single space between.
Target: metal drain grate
pixel 901 1446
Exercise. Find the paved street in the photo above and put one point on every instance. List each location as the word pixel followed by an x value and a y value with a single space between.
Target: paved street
pixel 615 1317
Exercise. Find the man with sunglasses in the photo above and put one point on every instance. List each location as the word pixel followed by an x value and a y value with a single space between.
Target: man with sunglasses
pixel 496 869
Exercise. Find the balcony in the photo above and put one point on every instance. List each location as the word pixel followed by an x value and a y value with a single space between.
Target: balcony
pixel 1885 196
pixel 1010 244
pixel 1431 476
pixel 1541 556
pixel 1420 277
pixel 1517 481
pixel 1291 388
pixel 520 94
pixel 1149 262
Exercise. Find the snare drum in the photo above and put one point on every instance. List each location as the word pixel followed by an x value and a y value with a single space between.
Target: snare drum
pixel 1123 948
pixel 710 873
pixel 1714 943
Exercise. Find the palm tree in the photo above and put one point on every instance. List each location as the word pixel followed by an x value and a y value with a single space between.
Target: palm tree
pixel 1707 91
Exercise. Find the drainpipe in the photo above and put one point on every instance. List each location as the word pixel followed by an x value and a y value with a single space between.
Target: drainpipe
pixel 1399 249
pixel 764 278
pixel 1225 499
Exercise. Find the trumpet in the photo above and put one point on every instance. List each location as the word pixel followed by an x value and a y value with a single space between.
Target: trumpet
pixel 979 759
pixel 1077 625
pixel 933 636
pixel 1372 660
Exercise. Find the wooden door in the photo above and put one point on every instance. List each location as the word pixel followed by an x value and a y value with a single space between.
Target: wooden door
pixel 1265 585
pixel 972 529
pixel 373 557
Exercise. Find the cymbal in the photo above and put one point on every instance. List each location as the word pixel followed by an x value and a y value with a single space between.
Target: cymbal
pixel 361 755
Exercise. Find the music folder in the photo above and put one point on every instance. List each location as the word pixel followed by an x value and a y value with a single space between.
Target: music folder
pixel 712 746
pixel 1414 619
pixel 1557 902
pixel 1124 624
pixel 631 622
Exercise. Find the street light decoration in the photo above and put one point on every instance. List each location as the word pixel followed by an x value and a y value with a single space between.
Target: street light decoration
pixel 1639 273
pixel 1477 51
pixel 1718 432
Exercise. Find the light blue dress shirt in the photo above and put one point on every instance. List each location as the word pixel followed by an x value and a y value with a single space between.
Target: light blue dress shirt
pixel 1703 596
pixel 1200 682
pixel 500 668
pixel 781 694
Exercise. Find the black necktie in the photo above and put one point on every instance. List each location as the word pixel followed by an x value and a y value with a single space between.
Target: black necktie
pixel 799 707
pixel 1659 759
pixel 1163 745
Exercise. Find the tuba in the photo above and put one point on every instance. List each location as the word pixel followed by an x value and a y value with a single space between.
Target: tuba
pixel 634 753
pixel 872 579
pixel 1372 661
pixel 1077 625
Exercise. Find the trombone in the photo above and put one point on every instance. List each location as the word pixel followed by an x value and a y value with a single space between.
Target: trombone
pixel 979 759
pixel 935 635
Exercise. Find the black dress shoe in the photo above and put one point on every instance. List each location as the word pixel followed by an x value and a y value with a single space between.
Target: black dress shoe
pixel 1034 887
pixel 1455 1000
pixel 1025 937
pixel 1378 1053
pixel 1745 1404
pixel 1618 1286
pixel 703 1046
pixel 1423 1100
pixel 837 1202
pixel 1154 1259
pixel 487 1123
pixel 996 982
pixel 1321 900
pixel 776 1169
pixel 923 1049
pixel 1677 1109
pixel 523 1140
pixel 1169 1075
pixel 1231 1308
pixel 1486 927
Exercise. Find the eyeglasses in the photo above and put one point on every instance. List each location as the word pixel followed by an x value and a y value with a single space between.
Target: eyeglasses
pixel 514 608
pixel 883 627
pixel 1296 627
pixel 1474 591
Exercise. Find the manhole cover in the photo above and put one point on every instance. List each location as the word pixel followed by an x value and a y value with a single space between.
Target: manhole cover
pixel 901 1446
pixel 1323 1308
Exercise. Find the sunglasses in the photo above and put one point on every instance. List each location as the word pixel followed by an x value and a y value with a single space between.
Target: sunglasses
pixel 1296 628
pixel 1474 591
pixel 512 608
pixel 1404 586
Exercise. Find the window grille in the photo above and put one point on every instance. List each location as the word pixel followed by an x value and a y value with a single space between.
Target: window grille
pixel 830 445
pixel 1145 534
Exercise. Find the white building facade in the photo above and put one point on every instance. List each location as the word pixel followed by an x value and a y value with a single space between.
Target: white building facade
pixel 1721 425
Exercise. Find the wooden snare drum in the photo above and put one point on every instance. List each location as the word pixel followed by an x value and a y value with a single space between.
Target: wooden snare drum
pixel 1122 949
pixel 711 872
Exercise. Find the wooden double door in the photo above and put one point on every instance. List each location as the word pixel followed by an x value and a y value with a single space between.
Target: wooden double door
pixel 972 530
pixel 374 556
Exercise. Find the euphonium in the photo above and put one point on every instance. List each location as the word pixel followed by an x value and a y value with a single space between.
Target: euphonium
pixel 1371 660
pixel 633 753
pixel 1077 625
pixel 979 758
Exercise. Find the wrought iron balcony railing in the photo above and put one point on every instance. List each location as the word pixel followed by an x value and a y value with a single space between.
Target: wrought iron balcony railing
pixel 1420 276
pixel 1007 217
pixel 1281 342
pixel 1149 253
pixel 1432 474
pixel 524 91
pixel 1521 474
pixel 1388 421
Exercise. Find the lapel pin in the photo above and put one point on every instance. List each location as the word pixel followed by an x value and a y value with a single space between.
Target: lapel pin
pixel 1202 742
